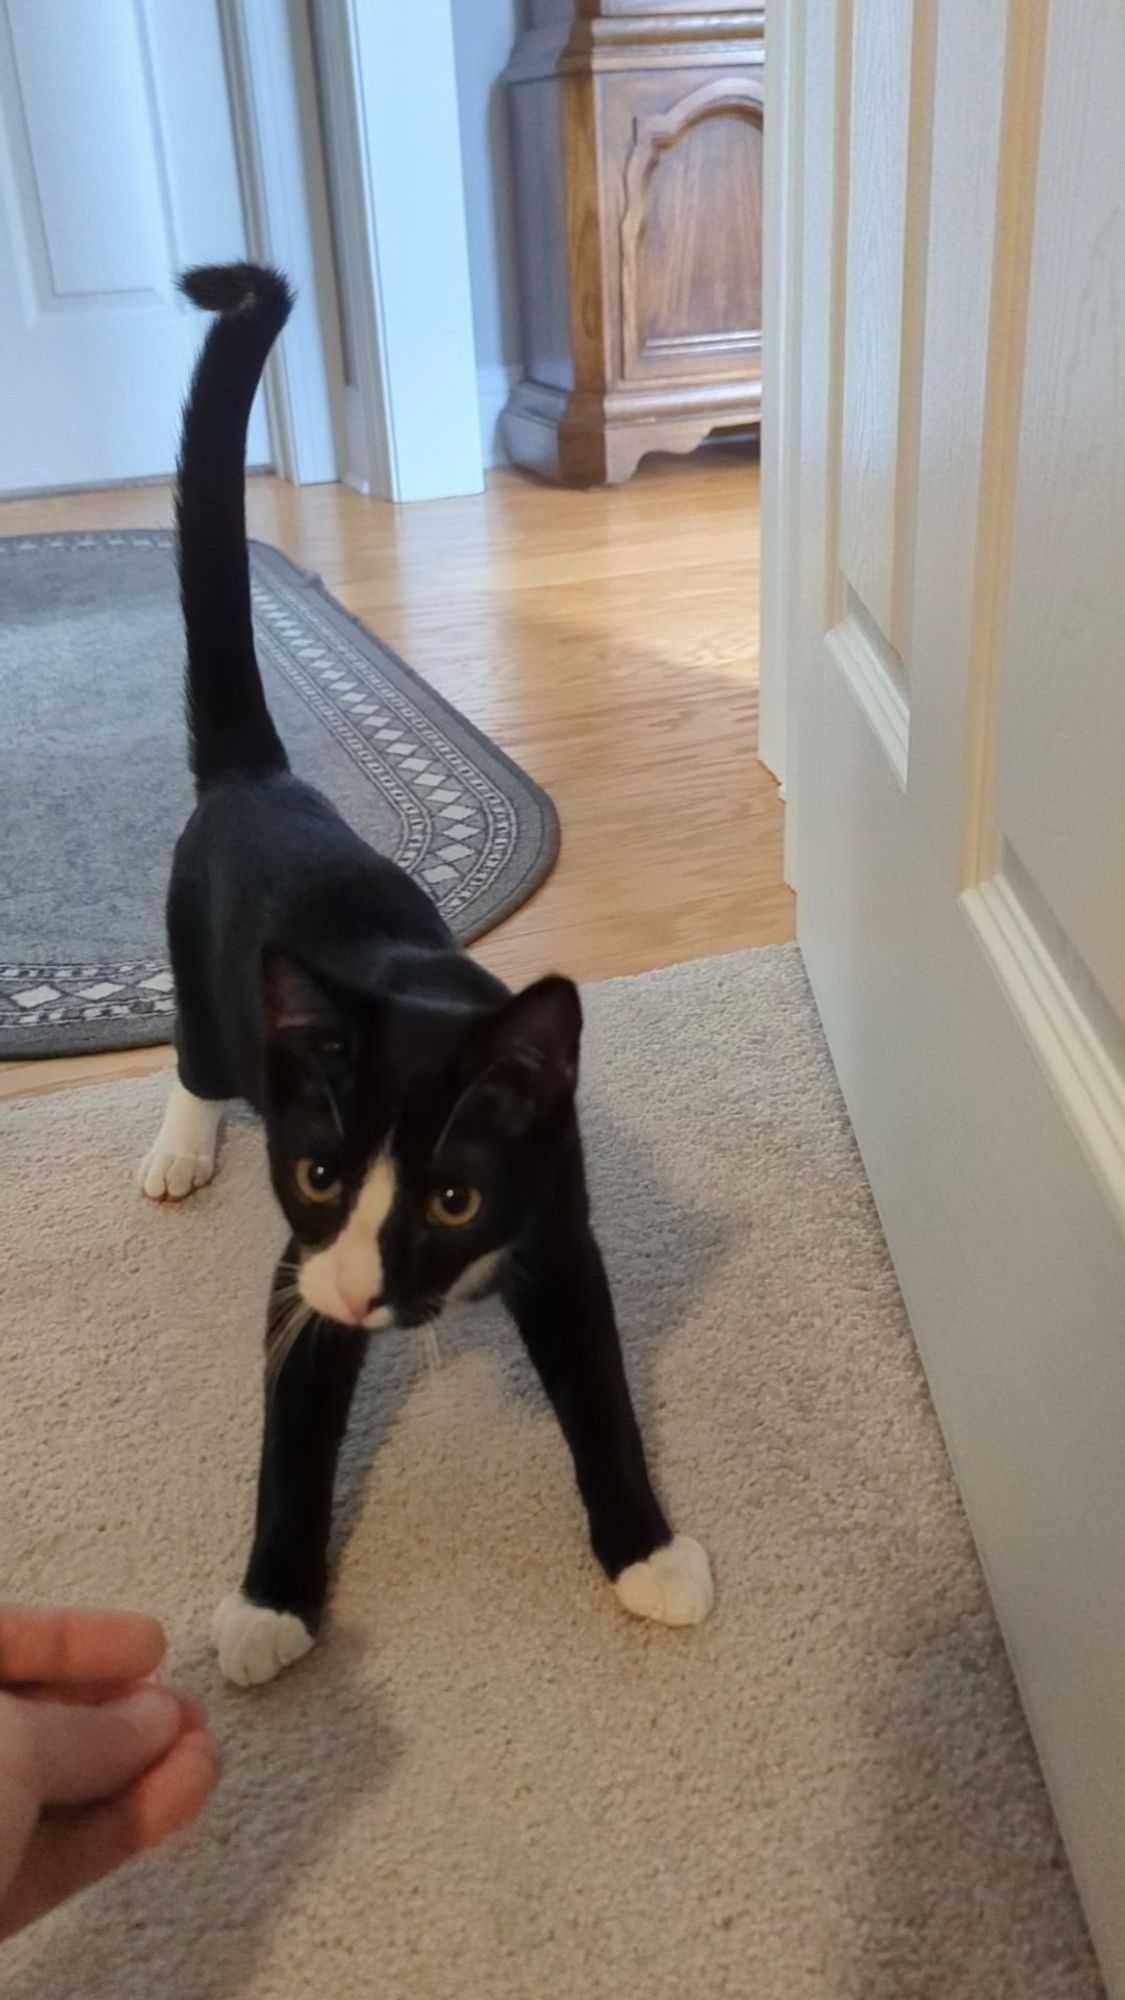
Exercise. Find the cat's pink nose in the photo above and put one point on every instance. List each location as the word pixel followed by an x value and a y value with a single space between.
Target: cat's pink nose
pixel 358 1305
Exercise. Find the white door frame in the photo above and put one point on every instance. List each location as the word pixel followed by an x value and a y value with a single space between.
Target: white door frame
pixel 408 428
pixel 366 465
pixel 392 95
pixel 781 362
pixel 273 105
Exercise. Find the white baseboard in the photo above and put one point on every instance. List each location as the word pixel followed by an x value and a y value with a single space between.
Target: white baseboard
pixel 494 386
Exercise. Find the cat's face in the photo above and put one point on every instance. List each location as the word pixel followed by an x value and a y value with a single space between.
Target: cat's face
pixel 408 1161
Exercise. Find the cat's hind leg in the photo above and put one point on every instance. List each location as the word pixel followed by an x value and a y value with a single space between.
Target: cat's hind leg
pixel 183 1156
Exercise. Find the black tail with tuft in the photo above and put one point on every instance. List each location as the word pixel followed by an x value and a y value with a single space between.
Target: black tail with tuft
pixel 229 725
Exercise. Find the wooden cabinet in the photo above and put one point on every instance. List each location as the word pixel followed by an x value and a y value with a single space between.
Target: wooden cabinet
pixel 637 137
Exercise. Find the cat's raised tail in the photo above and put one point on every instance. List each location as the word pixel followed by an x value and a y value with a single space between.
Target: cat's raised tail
pixel 229 726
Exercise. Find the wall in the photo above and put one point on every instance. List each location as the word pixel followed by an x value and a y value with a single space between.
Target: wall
pixel 485 33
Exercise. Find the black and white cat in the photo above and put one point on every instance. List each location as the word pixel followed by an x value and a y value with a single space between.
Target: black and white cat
pixel 420 1119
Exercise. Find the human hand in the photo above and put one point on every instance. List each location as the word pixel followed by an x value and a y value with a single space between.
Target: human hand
pixel 96 1763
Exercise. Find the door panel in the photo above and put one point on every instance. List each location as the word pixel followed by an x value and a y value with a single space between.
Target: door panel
pixel 117 168
pixel 873 352
pixel 1061 749
pixel 90 185
pixel 954 494
pixel 964 459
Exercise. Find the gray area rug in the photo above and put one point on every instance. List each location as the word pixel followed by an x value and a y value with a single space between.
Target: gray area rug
pixel 94 787
pixel 486 1782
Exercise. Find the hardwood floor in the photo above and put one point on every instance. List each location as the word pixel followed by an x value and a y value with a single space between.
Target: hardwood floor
pixel 608 641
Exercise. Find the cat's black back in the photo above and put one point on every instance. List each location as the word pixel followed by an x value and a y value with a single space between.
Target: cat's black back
pixel 265 862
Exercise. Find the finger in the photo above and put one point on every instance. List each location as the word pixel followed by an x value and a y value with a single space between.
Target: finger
pixel 78 1645
pixel 93 1694
pixel 68 1755
pixel 193 1712
pixel 17 1826
pixel 73 1848
pixel 84 1694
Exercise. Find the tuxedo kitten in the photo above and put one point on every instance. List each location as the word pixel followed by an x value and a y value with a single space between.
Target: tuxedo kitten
pixel 420 1120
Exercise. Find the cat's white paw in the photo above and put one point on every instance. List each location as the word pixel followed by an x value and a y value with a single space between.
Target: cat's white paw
pixel 166 1176
pixel 256 1644
pixel 183 1157
pixel 673 1586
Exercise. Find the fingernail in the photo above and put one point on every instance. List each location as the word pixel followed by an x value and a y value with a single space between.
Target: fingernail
pixel 153 1713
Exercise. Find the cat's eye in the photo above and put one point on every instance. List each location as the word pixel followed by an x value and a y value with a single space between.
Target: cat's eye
pixel 315 1182
pixel 453 1207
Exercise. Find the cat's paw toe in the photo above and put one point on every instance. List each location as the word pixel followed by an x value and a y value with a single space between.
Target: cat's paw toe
pixel 166 1176
pixel 255 1644
pixel 673 1586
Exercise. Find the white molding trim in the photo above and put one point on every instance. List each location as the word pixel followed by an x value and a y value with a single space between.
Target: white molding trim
pixel 1084 1075
pixel 781 362
pixel 494 387
pixel 273 99
pixel 865 667
pixel 392 86
pixel 366 460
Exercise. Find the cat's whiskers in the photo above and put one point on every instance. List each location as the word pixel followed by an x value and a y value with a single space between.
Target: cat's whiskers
pixel 282 1334
pixel 286 1285
pixel 426 1339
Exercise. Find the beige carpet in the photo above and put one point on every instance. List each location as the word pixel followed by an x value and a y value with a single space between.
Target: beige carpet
pixel 487 1783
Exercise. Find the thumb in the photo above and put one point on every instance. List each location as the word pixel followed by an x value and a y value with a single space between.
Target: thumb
pixel 73 1754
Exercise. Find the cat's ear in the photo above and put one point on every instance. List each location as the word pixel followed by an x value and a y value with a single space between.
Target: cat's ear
pixel 297 1008
pixel 525 1056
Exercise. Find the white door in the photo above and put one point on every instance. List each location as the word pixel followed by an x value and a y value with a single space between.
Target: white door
pixel 117 168
pixel 946 539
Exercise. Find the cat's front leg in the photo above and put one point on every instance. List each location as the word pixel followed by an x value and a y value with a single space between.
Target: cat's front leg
pixel 559 1296
pixel 272 1621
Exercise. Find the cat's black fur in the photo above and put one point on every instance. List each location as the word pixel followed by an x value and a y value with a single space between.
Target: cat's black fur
pixel 317 980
